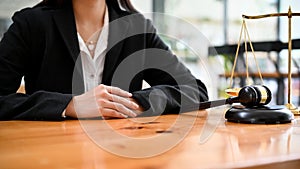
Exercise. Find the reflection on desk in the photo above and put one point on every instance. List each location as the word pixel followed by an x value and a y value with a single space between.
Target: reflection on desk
pixel 31 144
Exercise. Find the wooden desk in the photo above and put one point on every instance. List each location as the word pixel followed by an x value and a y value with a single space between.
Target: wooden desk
pixel 30 144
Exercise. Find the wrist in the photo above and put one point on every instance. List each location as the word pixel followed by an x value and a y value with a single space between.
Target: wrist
pixel 70 110
pixel 63 115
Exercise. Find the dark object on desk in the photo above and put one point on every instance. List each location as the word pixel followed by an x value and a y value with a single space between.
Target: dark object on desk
pixel 253 98
pixel 259 115
pixel 248 96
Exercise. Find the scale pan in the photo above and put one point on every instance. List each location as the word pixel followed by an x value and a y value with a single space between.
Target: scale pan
pixel 233 91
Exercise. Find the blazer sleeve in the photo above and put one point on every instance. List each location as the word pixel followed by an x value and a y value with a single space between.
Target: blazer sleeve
pixel 15 51
pixel 174 89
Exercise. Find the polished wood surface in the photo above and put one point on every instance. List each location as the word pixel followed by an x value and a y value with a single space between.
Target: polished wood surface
pixel 209 142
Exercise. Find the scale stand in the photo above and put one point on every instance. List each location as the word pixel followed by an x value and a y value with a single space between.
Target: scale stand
pixel 289 14
pixel 260 114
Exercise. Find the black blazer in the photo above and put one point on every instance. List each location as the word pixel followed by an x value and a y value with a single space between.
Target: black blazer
pixel 42 46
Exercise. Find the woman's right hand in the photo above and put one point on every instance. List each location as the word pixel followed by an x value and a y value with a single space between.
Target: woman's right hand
pixel 103 101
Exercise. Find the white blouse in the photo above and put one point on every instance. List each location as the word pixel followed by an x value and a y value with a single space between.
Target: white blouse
pixel 93 65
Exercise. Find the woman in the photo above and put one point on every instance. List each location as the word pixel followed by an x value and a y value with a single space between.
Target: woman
pixel 69 56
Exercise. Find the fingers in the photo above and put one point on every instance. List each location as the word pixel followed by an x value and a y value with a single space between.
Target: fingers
pixel 118 108
pixel 124 101
pixel 114 90
pixel 110 113
pixel 115 94
pixel 115 102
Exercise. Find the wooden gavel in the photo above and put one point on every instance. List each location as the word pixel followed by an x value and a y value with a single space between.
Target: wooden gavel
pixel 249 96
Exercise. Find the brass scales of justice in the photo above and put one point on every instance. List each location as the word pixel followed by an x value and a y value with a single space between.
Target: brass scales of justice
pixel 234 91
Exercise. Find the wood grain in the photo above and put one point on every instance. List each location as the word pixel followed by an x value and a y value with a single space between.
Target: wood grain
pixel 70 144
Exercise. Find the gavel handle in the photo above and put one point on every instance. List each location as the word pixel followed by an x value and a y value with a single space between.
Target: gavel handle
pixel 215 103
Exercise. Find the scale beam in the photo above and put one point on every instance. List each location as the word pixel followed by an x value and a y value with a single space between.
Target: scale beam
pixel 269 15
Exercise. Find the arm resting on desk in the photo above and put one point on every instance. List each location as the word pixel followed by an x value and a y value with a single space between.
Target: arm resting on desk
pixel 38 106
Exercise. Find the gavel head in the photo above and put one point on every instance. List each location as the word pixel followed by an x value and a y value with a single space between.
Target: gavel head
pixel 254 95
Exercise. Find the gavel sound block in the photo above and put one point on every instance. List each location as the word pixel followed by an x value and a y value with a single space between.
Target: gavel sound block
pixel 253 108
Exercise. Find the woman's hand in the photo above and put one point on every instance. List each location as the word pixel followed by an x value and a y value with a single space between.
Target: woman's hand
pixel 137 111
pixel 103 101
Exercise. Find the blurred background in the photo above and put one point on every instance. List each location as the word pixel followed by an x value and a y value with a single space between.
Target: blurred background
pixel 204 34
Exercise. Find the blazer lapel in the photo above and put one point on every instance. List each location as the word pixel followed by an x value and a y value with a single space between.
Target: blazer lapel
pixel 118 29
pixel 65 22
